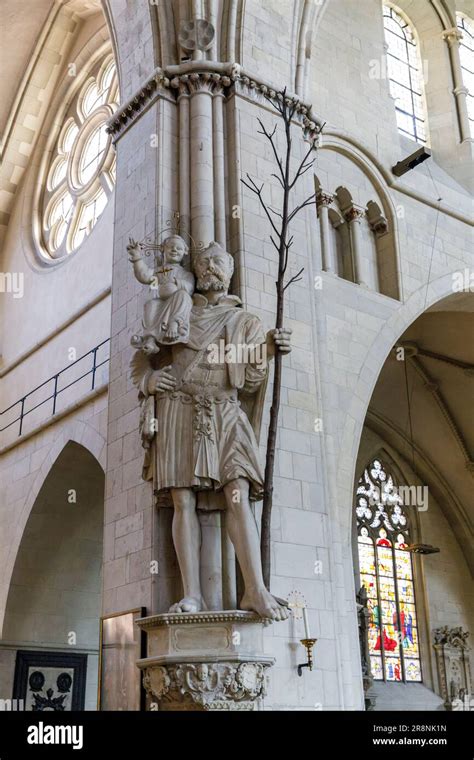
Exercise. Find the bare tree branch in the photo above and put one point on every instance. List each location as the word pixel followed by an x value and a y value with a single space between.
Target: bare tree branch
pixel 304 165
pixel 274 211
pixel 269 136
pixel 258 192
pixel 287 250
pixel 274 103
pixel 279 179
pixel 295 278
pixel 282 242
pixel 274 243
pixel 310 201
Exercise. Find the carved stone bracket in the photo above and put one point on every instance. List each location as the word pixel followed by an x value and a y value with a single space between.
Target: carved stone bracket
pixel 204 661
pixel 128 112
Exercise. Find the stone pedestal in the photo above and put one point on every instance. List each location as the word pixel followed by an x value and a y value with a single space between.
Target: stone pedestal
pixel 204 661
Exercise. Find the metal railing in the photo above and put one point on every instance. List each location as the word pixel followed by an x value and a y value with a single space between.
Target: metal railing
pixel 56 389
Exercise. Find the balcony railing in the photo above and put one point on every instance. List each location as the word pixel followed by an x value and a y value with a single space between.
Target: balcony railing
pixel 87 365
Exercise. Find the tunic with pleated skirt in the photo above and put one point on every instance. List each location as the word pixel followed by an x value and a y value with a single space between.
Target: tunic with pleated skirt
pixel 204 437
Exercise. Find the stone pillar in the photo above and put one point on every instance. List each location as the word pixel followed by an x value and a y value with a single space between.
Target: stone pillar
pixel 453 37
pixel 229 575
pixel 211 559
pixel 323 201
pixel 219 170
pixel 184 161
pixel 207 661
pixel 202 165
pixel 353 216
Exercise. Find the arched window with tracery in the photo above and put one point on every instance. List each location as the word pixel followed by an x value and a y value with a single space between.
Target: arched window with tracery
pixel 386 571
pixel 466 56
pixel 81 173
pixel 405 74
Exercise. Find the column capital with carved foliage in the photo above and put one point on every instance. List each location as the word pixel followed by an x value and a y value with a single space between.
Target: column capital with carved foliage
pixel 323 199
pixel 202 81
pixel 354 213
pixel 452 36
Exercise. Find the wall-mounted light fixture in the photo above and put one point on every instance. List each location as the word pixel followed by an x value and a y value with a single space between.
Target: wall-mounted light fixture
pixel 308 642
pixel 422 549
pixel 408 163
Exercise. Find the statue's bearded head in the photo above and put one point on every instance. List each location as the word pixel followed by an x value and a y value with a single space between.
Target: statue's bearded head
pixel 213 268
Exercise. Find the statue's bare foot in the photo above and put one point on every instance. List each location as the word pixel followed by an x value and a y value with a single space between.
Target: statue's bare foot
pixel 262 602
pixel 172 331
pixel 188 604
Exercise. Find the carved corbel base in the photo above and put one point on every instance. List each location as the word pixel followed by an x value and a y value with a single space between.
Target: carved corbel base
pixel 209 661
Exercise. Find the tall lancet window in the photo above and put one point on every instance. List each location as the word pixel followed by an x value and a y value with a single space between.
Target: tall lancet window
pixel 405 74
pixel 386 571
pixel 466 55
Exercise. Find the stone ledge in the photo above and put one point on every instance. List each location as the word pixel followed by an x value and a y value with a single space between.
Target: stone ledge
pixel 230 657
pixel 193 618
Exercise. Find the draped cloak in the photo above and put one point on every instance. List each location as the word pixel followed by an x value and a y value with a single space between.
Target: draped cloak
pixel 207 429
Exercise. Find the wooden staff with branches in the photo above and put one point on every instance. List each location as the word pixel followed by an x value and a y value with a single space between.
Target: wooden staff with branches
pixel 282 241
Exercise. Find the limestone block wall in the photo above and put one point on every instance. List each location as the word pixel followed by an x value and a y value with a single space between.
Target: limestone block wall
pixel 135 42
pixel 262 22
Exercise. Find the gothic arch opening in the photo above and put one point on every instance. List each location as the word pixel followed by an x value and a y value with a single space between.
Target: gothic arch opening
pixel 417 424
pixel 357 221
pixel 54 599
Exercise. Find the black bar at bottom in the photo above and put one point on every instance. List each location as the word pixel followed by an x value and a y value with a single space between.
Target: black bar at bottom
pixel 308 734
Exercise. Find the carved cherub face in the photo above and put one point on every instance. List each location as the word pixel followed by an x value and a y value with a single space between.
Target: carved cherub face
pixel 174 249
pixel 213 268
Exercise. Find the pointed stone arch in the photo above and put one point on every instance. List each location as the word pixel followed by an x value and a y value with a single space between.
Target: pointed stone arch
pixel 77 432
pixel 420 301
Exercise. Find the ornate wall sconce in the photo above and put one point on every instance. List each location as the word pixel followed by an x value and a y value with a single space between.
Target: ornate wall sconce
pixel 308 644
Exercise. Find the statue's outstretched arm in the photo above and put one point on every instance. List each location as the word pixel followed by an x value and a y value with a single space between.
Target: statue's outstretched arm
pixel 142 271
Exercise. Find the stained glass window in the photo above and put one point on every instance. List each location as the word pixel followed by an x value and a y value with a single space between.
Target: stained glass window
pixel 386 571
pixel 405 74
pixel 466 55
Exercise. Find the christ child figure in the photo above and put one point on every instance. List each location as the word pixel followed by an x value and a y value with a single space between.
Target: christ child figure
pixel 166 314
